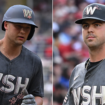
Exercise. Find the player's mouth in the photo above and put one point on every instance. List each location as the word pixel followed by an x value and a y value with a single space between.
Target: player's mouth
pixel 90 36
pixel 21 37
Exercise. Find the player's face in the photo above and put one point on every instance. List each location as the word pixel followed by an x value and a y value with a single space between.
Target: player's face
pixel 93 33
pixel 17 32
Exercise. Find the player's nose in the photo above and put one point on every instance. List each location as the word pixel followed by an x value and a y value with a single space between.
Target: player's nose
pixel 91 28
pixel 22 30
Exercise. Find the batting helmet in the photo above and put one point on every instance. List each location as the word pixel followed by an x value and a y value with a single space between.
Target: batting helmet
pixel 20 14
pixel 93 11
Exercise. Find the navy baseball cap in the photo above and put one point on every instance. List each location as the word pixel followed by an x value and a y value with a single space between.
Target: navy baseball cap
pixel 93 11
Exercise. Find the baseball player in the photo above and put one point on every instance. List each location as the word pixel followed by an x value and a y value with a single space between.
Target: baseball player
pixel 19 68
pixel 87 82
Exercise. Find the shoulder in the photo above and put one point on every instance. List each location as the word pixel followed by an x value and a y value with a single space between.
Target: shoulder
pixel 30 55
pixel 79 68
pixel 78 72
pixel 81 65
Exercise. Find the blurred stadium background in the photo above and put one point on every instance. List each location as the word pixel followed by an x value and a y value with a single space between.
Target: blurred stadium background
pixel 68 46
pixel 41 43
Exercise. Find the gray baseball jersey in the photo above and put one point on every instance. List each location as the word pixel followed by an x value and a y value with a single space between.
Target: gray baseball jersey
pixel 87 87
pixel 23 71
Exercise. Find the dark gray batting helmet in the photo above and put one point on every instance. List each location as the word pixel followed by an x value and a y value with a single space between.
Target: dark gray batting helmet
pixel 20 14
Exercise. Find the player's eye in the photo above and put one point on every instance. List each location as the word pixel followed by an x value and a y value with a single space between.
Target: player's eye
pixel 85 26
pixel 27 27
pixel 97 25
pixel 18 26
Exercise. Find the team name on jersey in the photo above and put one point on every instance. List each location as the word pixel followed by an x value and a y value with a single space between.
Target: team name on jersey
pixel 89 94
pixel 9 86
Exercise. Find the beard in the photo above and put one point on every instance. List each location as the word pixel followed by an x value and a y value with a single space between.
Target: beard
pixel 93 42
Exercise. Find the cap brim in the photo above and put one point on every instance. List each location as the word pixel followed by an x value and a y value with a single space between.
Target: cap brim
pixel 81 20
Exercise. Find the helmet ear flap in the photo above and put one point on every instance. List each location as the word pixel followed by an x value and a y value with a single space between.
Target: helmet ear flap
pixel 3 26
pixel 31 32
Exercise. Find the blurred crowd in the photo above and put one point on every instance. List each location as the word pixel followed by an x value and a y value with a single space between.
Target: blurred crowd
pixel 68 46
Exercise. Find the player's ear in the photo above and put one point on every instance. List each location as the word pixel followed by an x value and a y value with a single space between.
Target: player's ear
pixel 5 25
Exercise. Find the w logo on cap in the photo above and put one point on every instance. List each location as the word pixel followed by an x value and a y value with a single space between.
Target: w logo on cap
pixel 90 10
pixel 27 13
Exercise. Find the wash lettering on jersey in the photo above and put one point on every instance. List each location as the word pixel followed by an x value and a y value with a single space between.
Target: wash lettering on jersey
pixel 89 94
pixel 9 85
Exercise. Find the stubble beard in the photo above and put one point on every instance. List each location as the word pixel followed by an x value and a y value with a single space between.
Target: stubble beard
pixel 94 45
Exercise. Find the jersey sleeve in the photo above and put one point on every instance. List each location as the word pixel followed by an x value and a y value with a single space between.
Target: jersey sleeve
pixel 37 86
pixel 68 100
pixel 76 80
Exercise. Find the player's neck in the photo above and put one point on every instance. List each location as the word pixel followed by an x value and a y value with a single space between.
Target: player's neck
pixel 97 54
pixel 9 50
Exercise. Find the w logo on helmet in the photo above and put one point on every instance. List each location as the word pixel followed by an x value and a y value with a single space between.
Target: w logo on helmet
pixel 90 10
pixel 27 13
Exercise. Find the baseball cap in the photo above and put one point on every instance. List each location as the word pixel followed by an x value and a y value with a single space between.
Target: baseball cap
pixel 93 11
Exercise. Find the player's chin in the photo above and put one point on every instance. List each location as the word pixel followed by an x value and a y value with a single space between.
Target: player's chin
pixel 92 45
pixel 20 42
